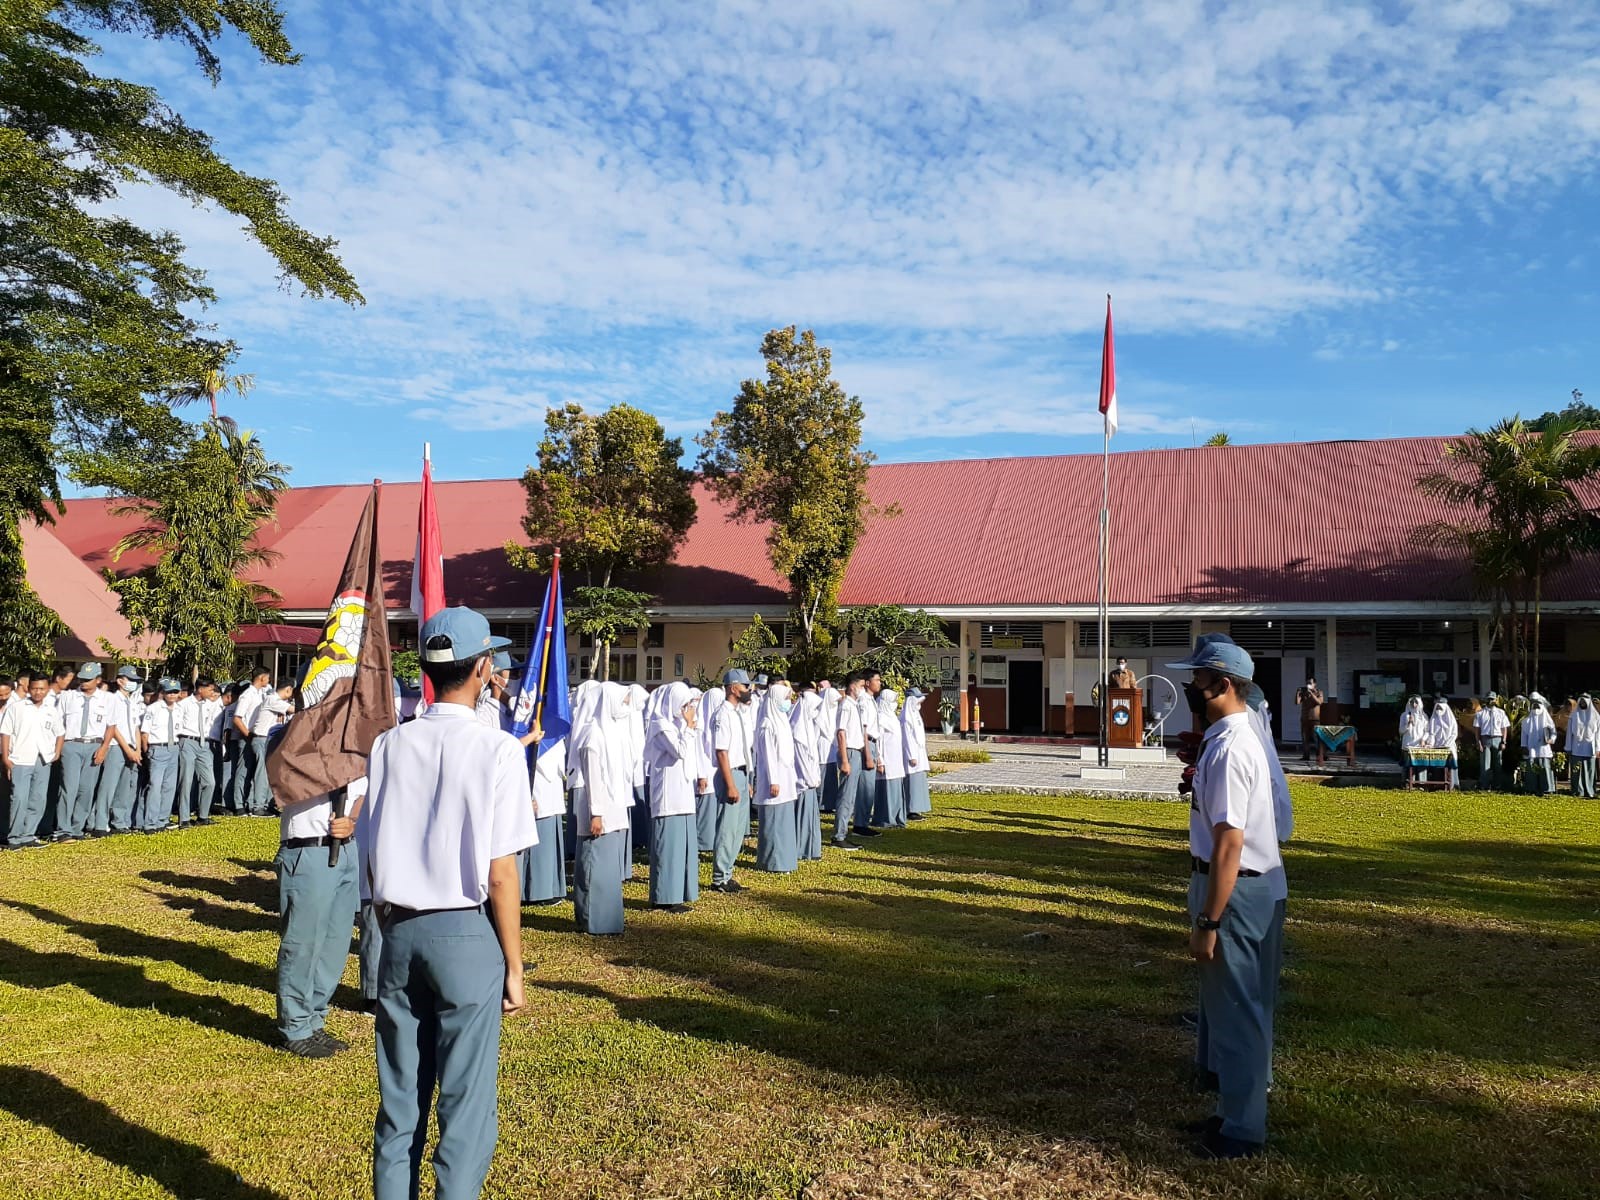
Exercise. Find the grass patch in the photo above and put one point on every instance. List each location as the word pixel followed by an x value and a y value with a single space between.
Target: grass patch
pixel 875 1025
pixel 958 754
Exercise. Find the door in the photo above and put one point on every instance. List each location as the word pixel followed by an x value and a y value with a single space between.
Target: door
pixel 1269 678
pixel 1025 696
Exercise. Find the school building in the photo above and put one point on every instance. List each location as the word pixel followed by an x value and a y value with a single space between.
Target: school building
pixel 1303 553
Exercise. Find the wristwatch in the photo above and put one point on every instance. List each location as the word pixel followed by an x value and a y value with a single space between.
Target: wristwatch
pixel 1206 924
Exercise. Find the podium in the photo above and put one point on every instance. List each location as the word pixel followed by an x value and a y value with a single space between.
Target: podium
pixel 1125 718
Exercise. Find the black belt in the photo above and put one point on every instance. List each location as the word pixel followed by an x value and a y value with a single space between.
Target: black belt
pixel 188 737
pixel 1201 867
pixel 307 843
pixel 396 912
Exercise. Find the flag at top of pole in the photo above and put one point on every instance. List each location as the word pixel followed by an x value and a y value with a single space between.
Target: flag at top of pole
pixel 427 569
pixel 1108 377
pixel 542 699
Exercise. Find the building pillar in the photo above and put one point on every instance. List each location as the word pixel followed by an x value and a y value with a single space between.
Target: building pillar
pixel 1485 664
pixel 1332 688
pixel 962 699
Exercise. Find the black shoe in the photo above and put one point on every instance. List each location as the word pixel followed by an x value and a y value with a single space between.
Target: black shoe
pixel 547 903
pixel 205 821
pixel 99 833
pixel 370 1007
pixel 865 831
pixel 310 1047
pixel 327 1039
pixel 673 908
pixel 1220 1146
pixel 1212 1124
pixel 844 845
pixel 733 885
pixel 1206 1081
pixel 916 816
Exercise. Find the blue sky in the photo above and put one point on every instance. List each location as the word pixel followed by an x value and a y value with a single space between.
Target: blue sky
pixel 1319 220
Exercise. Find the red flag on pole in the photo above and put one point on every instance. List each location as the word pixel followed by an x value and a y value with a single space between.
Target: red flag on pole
pixel 427 571
pixel 1108 378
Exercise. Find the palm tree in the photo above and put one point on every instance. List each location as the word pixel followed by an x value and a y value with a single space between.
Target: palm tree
pixel 217 380
pixel 1526 519
pixel 1220 438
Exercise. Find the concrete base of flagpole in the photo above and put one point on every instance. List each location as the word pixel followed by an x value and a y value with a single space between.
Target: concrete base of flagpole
pixel 1112 774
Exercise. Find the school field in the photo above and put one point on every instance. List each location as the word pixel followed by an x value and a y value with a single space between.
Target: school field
pixel 986 1005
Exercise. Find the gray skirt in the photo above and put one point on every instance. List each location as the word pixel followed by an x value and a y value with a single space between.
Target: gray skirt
pixel 597 883
pixel 775 838
pixel 808 825
pixel 544 867
pixel 889 802
pixel 674 860
pixel 918 799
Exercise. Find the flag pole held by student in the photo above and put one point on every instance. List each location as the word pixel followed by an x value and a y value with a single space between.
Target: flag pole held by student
pixel 542 699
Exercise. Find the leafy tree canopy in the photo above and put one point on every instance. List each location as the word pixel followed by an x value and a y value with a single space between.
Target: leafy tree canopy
pixel 751 651
pixel 604 613
pixel 608 491
pixel 1579 414
pixel 897 644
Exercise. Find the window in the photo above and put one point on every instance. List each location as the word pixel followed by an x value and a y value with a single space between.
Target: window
pixel 1012 635
pixel 583 668
pixel 625 667
pixel 1415 637
pixel 677 666
pixel 656 636
pixel 1135 635
pixel 1268 637
pixel 652 668
pixel 992 671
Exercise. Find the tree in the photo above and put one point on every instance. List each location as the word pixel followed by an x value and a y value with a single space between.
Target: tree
pixel 217 380
pixel 751 651
pixel 97 334
pixel 1579 413
pixel 28 629
pixel 201 518
pixel 608 491
pixel 1219 438
pixel 789 454
pixel 605 612
pixel 897 642
pixel 1524 519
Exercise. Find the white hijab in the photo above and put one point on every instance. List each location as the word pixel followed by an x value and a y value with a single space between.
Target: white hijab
pixel 1583 727
pixel 606 740
pixel 664 731
pixel 585 703
pixel 1442 729
pixel 709 704
pixel 913 731
pixel 774 748
pixel 1413 723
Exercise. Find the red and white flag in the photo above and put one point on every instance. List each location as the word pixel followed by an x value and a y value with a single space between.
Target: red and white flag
pixel 427 570
pixel 1108 378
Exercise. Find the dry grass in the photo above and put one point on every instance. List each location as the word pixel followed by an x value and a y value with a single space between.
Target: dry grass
pixel 984 1005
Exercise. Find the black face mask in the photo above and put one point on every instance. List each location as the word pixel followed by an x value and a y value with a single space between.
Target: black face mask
pixel 1196 697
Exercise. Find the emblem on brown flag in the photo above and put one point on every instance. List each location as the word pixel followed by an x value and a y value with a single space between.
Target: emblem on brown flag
pixel 347 696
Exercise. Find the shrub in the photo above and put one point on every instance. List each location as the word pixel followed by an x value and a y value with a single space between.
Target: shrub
pixel 959 755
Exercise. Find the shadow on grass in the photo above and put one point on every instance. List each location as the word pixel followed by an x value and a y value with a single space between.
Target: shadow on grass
pixel 179 1167
pixel 251 889
pixel 228 918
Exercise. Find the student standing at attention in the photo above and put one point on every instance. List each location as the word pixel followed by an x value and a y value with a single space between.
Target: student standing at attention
pixel 448 810
pixel 1234 865
pixel 731 741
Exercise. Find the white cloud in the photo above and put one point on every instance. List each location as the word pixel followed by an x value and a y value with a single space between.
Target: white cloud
pixel 555 202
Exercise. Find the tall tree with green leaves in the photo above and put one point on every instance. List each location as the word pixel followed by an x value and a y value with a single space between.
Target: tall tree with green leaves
pixel 1523 518
pixel 28 629
pixel 609 493
pixel 788 453
pixel 751 650
pixel 201 519
pixel 98 337
pixel 896 643
pixel 604 614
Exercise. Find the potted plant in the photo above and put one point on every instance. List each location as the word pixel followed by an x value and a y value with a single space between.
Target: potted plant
pixel 947 716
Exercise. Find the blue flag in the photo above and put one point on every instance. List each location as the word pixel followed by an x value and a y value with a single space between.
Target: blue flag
pixel 544 678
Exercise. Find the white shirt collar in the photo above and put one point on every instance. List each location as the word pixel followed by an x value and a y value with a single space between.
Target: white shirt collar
pixel 1221 724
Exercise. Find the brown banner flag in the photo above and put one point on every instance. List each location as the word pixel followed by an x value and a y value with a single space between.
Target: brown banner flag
pixel 347 696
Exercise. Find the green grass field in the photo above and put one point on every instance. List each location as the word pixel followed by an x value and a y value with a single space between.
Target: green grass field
pixel 882 1025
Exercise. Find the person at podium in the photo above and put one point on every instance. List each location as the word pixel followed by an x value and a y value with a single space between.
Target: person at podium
pixel 1122 677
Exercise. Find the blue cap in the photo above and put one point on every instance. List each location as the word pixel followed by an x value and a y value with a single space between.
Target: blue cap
pixel 914 692
pixel 1213 654
pixel 90 670
pixel 735 675
pixel 467 631
pixel 168 684
pixel 128 673
pixel 1255 697
pixel 502 660
pixel 761 681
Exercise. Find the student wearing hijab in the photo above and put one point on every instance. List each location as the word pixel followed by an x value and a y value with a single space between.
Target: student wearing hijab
pixel 585 698
pixel 805 724
pixel 544 864
pixel 914 746
pixel 639 815
pixel 1538 735
pixel 775 781
pixel 1443 733
pixel 1583 731
pixel 889 793
pixel 603 747
pixel 830 750
pixel 672 755
pixel 1413 729
pixel 705 801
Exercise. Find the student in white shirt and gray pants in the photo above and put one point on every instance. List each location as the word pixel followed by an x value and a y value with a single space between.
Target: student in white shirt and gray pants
pixel 30 743
pixel 84 709
pixel 448 810
pixel 1234 884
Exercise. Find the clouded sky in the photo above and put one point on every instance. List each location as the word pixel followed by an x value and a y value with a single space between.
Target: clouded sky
pixel 1318 220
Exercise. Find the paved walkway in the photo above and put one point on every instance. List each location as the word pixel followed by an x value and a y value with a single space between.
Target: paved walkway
pixel 1056 775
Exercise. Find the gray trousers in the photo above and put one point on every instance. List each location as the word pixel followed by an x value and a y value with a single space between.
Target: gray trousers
pixel 259 795
pixel 196 778
pixel 233 775
pixel 163 786
pixel 118 789
pixel 1238 992
pixel 1582 772
pixel 1489 760
pixel 79 775
pixel 369 949
pixel 439 986
pixel 316 905
pixel 846 794
pixel 733 824
pixel 30 786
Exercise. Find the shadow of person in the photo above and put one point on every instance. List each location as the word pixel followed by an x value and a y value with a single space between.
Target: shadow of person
pixel 260 891
pixel 179 1167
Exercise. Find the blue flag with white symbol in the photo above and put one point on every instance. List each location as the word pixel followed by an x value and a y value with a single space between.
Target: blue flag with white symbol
pixel 542 698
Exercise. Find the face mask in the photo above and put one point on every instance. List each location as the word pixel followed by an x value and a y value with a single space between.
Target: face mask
pixel 785 705
pixel 129 686
pixel 1196 697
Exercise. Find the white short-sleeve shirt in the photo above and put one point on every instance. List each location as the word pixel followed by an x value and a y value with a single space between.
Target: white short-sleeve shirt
pixel 33 730
pixel 1491 722
pixel 1233 786
pixel 160 724
pixel 446 796
pixel 74 705
pixel 309 818
pixel 188 716
pixel 855 737
pixel 728 732
pixel 244 708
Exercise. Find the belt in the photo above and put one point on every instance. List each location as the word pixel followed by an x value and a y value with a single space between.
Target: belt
pixel 85 741
pixel 1201 867
pixel 188 737
pixel 396 912
pixel 307 843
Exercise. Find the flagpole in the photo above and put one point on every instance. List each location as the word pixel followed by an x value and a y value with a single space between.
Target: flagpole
pixel 549 629
pixel 1105 612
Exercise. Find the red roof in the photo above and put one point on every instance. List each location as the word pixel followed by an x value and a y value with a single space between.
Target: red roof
pixel 1315 523
pixel 81 599
pixel 277 635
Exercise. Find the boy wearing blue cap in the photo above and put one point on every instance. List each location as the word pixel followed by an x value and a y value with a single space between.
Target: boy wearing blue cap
pixel 732 742
pixel 448 810
pixel 158 737
pixel 83 716
pixel 1234 869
